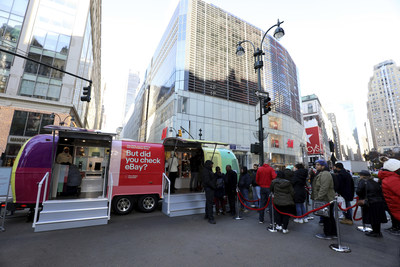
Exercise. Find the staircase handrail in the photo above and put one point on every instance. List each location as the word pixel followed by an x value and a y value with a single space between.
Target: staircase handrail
pixel 110 184
pixel 165 177
pixel 45 178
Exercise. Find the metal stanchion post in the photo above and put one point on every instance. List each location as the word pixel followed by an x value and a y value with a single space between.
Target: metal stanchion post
pixel 309 217
pixel 338 247
pixel 237 205
pixel 271 209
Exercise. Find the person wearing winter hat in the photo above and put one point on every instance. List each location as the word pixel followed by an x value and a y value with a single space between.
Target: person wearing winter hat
pixel 323 190
pixel 372 203
pixel 390 176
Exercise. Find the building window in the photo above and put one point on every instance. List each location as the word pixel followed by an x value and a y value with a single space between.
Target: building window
pixel 183 104
pixel 29 123
pixel 309 108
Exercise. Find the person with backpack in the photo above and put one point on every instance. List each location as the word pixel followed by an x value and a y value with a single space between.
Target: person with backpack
pixel 219 191
pixel 283 201
pixel 244 186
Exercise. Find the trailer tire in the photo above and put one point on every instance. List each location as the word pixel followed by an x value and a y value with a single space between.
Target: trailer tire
pixel 122 205
pixel 147 203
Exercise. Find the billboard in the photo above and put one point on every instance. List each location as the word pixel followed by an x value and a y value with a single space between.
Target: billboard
pixel 314 141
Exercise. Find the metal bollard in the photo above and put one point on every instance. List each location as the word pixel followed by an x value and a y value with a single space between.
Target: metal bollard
pixel 273 229
pixel 338 247
pixel 237 205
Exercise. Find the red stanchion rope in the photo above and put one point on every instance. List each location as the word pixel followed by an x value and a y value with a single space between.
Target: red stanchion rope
pixel 346 209
pixel 291 215
pixel 247 199
pixel 250 208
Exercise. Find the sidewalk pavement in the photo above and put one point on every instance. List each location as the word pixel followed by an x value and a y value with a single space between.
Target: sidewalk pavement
pixel 154 239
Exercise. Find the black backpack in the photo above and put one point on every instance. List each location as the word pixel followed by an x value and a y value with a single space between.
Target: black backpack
pixel 220 182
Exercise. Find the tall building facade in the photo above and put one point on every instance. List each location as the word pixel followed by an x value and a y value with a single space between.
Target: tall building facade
pixel 319 129
pixel 196 81
pixel 384 106
pixel 336 136
pixel 133 83
pixel 63 34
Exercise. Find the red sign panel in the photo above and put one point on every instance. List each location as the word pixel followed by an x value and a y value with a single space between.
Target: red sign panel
pixel 290 143
pixel 314 141
pixel 164 133
pixel 141 163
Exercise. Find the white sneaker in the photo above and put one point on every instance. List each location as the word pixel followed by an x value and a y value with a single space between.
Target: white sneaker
pixel 279 228
pixel 305 220
pixel 285 231
pixel 301 220
pixel 296 220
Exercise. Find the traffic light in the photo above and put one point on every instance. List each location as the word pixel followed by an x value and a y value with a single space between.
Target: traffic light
pixel 255 148
pixel 180 133
pixel 267 105
pixel 86 93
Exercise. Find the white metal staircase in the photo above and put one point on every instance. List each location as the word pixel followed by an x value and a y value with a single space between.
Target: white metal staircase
pixel 73 213
pixel 184 204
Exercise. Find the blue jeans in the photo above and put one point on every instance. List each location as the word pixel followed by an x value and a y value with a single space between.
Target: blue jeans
pixel 245 194
pixel 264 192
pixel 300 209
pixel 348 214
pixel 256 195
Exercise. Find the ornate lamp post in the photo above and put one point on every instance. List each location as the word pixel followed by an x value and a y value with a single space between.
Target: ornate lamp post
pixel 258 64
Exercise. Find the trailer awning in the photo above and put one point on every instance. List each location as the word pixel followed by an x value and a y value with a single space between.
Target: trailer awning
pixel 171 141
pixel 75 132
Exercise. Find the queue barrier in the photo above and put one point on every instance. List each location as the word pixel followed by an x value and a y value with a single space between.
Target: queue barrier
pixel 336 247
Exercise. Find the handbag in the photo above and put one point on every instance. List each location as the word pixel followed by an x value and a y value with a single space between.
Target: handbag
pixel 325 212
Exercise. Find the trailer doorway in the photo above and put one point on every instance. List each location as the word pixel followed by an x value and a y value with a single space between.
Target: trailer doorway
pixel 80 163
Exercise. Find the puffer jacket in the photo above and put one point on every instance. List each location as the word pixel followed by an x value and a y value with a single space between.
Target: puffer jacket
pixel 299 182
pixel 323 188
pixel 391 191
pixel 283 192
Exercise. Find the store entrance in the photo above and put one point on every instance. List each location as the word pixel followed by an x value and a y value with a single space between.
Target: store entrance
pixel 80 167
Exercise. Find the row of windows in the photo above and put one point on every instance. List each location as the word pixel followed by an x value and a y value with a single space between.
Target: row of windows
pixel 29 123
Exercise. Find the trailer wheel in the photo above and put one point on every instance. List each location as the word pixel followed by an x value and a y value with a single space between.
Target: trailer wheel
pixel 122 205
pixel 147 203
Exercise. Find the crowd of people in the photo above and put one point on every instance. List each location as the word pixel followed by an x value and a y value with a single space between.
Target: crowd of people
pixel 291 187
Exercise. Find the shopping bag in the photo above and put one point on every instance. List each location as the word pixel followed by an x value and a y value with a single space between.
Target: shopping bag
pixel 322 212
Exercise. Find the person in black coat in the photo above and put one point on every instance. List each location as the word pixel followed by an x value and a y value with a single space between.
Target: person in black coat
pixel 299 183
pixel 372 203
pixel 209 184
pixel 219 191
pixel 345 188
pixel 230 188
pixel 244 186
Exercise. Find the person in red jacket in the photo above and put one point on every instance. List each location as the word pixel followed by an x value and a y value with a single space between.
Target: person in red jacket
pixel 265 175
pixel 390 176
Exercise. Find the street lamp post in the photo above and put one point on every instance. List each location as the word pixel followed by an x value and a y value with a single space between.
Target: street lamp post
pixel 62 122
pixel 258 64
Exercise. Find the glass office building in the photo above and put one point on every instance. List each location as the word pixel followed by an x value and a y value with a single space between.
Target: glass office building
pixel 62 34
pixel 195 81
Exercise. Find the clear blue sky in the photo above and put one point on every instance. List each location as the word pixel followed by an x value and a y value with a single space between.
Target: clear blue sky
pixel 335 44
